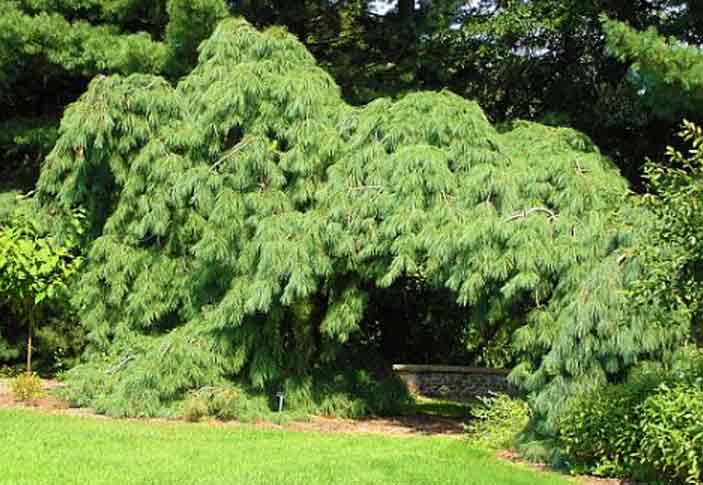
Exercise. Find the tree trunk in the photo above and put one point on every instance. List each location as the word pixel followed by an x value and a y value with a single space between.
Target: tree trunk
pixel 30 331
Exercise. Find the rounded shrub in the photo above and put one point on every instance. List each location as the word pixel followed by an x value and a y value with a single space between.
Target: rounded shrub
pixel 27 387
pixel 672 433
pixel 599 431
pixel 225 403
pixel 498 420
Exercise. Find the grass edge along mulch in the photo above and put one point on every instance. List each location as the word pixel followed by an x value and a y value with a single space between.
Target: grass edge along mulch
pixel 42 448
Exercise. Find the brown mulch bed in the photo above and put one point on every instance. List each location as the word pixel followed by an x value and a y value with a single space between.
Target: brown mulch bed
pixel 46 402
pixel 396 426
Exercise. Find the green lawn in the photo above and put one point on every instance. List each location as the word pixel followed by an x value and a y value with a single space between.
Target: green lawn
pixel 447 408
pixel 38 448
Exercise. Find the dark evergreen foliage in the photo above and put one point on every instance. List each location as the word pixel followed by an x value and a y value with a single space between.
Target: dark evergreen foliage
pixel 50 49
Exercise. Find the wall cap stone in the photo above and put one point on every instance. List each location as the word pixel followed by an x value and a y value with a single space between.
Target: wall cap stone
pixel 448 369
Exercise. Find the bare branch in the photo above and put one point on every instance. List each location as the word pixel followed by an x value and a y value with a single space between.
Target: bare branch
pixel 526 213
pixel 368 187
pixel 580 169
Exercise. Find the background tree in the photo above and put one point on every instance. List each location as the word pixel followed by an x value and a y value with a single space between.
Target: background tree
pixel 49 51
pixel 668 72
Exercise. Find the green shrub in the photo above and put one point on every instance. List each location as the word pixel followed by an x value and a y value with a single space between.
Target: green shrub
pixel 688 367
pixel 27 387
pixel 600 430
pixel 227 403
pixel 195 408
pixel 672 433
pixel 499 419
pixel 649 428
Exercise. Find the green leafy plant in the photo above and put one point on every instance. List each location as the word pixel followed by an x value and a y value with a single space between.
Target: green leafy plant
pixel 647 428
pixel 672 250
pixel 34 268
pixel 600 430
pixel 672 433
pixel 27 387
pixel 498 420
pixel 667 70
pixel 687 367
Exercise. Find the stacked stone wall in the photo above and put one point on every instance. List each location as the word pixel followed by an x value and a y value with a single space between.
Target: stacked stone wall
pixel 453 381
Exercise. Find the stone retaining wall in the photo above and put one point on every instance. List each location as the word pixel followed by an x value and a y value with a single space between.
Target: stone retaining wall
pixel 452 381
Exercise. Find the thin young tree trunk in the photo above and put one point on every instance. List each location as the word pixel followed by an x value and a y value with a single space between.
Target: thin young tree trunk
pixel 29 341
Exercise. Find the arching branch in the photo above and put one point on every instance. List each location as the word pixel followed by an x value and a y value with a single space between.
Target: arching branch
pixel 527 212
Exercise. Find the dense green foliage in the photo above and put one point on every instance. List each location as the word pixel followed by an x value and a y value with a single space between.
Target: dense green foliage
pixel 239 224
pixel 669 72
pixel 672 434
pixel 600 430
pixel 497 421
pixel 648 428
pixel 65 449
pixel 49 51
pixel 545 60
pixel 673 248
pixel 349 395
pixel 263 214
pixel 538 60
pixel 35 269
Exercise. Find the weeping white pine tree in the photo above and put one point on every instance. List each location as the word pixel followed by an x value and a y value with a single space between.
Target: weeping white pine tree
pixel 238 220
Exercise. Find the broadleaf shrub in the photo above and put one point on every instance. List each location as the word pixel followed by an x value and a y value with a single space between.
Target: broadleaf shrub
pixel 649 428
pixel 499 419
pixel 672 433
pixel 600 432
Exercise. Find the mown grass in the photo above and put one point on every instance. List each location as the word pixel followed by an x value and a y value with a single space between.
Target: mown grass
pixel 446 408
pixel 38 448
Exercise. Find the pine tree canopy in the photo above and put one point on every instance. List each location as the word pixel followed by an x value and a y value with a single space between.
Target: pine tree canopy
pixel 237 221
pixel 668 71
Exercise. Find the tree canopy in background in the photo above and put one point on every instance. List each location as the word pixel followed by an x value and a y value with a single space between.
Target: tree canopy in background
pixel 669 72
pixel 241 223
pixel 50 49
